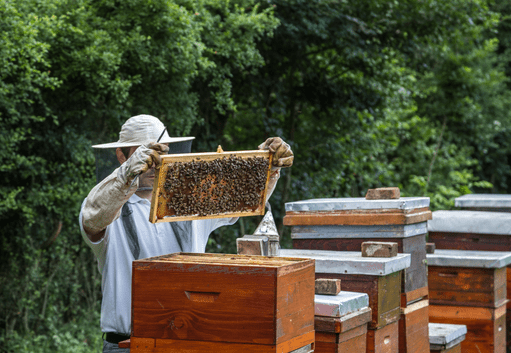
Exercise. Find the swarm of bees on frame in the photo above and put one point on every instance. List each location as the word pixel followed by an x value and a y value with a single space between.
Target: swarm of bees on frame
pixel 223 185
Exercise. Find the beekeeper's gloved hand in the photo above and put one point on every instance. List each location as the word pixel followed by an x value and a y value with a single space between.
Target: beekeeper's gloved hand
pixel 104 202
pixel 282 153
pixel 141 160
pixel 282 158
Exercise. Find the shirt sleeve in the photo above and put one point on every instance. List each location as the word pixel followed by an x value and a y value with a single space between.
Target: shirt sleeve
pixel 99 247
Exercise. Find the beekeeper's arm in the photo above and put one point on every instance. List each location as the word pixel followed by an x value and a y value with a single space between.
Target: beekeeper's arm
pixel 105 200
pixel 282 158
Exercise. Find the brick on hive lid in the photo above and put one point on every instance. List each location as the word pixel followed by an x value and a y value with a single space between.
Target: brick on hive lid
pixel 328 286
pixel 379 249
pixel 430 248
pixel 383 193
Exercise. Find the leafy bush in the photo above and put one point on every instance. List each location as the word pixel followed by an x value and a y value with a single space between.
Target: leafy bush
pixel 368 93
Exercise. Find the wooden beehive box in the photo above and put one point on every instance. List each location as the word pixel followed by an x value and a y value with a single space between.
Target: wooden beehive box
pixel 470 230
pixel 486 327
pixel 476 230
pixel 210 185
pixel 341 322
pixel 446 338
pixel 383 339
pixel 223 303
pixel 379 278
pixel 468 278
pixel 469 288
pixel 343 224
pixel 413 328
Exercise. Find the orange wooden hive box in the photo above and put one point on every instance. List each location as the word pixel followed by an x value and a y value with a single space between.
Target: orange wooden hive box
pixel 341 322
pixel 469 288
pixel 478 230
pixel 379 278
pixel 343 224
pixel 222 303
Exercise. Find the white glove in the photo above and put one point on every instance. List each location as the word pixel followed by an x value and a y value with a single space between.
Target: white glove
pixel 282 153
pixel 140 161
pixel 282 157
pixel 105 200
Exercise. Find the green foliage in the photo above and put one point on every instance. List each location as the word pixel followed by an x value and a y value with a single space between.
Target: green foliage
pixel 369 93
pixel 80 335
pixel 71 73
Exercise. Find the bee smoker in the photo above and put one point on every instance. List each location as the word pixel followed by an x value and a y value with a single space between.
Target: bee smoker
pixel 264 241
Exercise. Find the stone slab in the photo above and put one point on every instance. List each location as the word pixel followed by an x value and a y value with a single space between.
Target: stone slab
pixel 443 334
pixel 378 231
pixel 469 258
pixel 341 304
pixel 484 200
pixel 474 222
pixel 351 262
pixel 356 203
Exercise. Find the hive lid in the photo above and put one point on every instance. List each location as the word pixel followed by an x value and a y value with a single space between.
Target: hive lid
pixel 356 203
pixel 351 262
pixel 380 231
pixel 474 222
pixel 443 334
pixel 213 259
pixel 469 258
pixel 483 200
pixel 341 304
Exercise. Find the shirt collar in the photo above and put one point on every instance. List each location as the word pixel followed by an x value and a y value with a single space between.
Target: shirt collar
pixel 135 199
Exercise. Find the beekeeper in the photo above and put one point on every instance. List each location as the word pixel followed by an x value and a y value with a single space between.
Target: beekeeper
pixel 114 218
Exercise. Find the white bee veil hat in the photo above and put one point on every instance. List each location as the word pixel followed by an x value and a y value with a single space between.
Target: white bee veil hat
pixel 141 129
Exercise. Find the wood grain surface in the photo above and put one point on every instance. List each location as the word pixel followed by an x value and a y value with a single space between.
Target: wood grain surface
pixel 508 329
pixel 342 334
pixel 383 291
pixel 470 241
pixel 413 296
pixel 384 339
pixel 358 217
pixel 486 327
pixel 151 345
pixel 467 286
pixel 342 324
pixel 413 328
pixel 353 340
pixel 484 242
pixel 223 298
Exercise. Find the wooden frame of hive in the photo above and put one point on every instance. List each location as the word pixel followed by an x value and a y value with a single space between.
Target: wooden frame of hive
pixel 159 203
pixel 205 303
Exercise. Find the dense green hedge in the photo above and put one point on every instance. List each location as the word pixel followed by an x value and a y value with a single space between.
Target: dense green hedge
pixel 368 93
